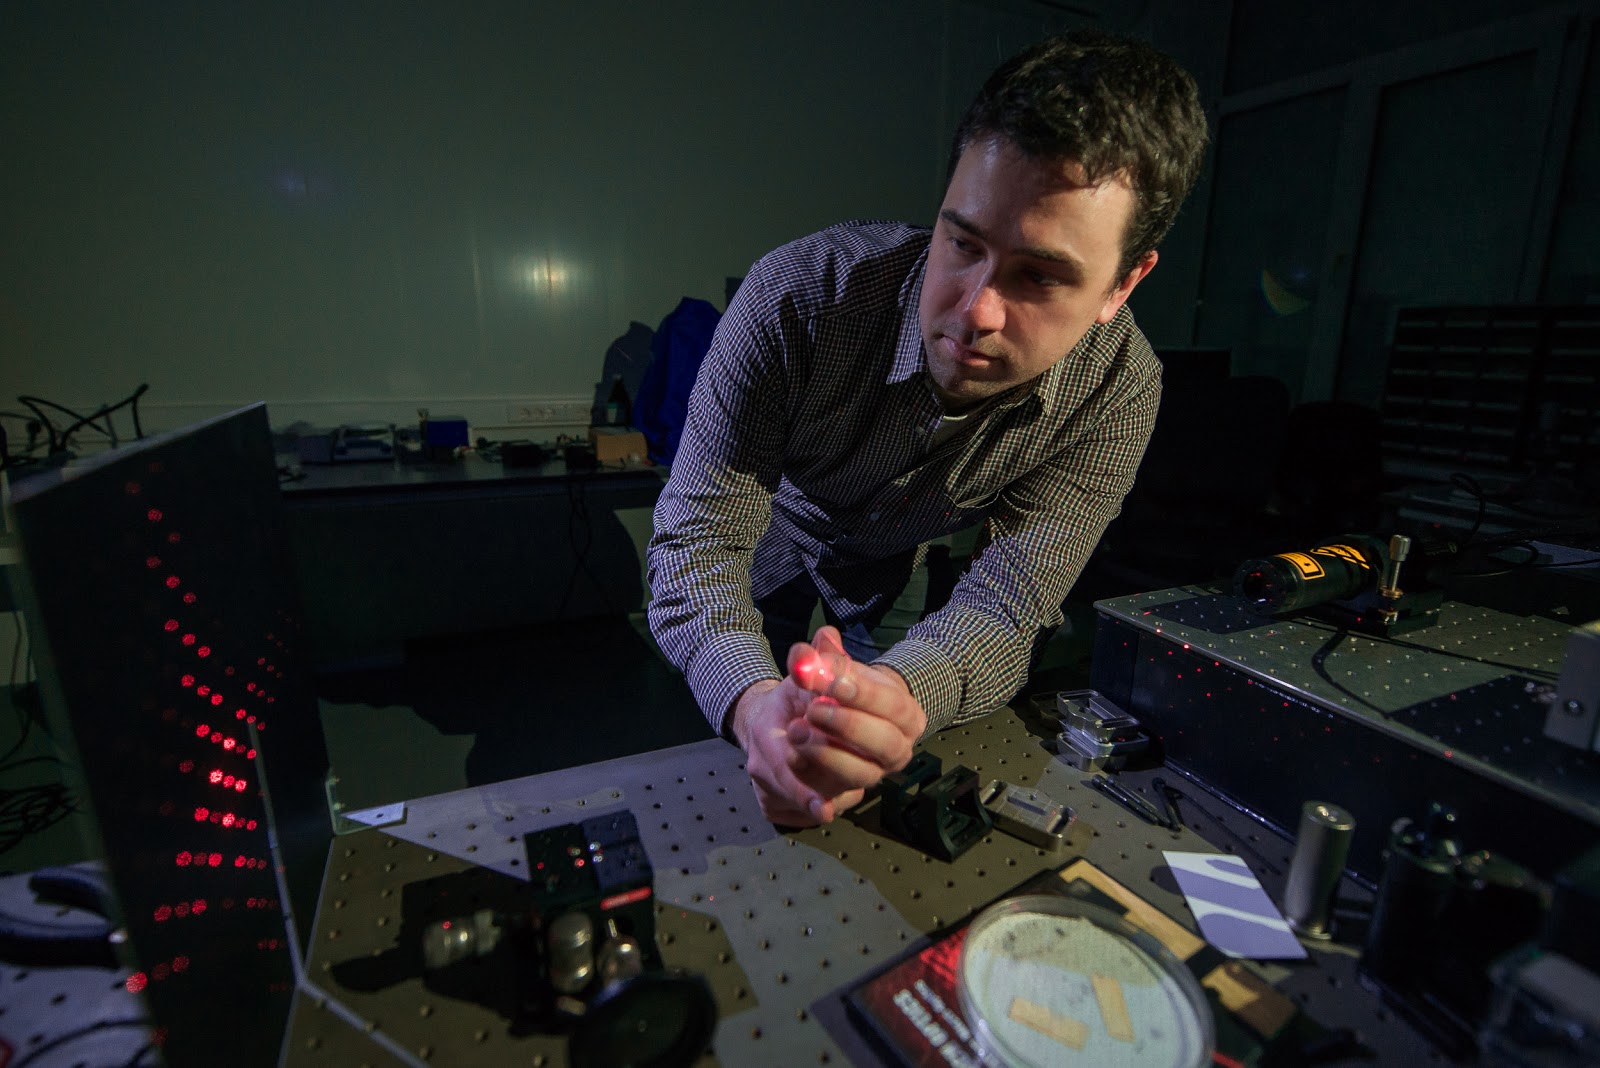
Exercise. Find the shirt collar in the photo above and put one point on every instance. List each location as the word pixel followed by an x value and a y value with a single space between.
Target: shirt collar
pixel 1062 387
pixel 909 358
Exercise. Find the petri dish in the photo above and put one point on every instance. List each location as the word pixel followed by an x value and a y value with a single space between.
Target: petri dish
pixel 1053 981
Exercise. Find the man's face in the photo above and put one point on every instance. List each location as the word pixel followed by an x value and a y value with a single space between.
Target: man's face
pixel 1024 259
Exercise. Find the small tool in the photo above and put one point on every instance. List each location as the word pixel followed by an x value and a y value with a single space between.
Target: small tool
pixel 1132 801
pixel 1170 795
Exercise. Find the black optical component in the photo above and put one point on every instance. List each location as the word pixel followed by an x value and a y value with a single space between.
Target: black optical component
pixel 654 1020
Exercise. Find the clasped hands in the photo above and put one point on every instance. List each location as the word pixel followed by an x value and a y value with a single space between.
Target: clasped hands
pixel 818 739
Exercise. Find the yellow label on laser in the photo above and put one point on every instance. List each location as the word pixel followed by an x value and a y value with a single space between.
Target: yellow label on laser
pixel 1343 552
pixel 1304 563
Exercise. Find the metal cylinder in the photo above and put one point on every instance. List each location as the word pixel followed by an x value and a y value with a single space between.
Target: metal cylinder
pixel 460 938
pixel 1289 582
pixel 619 958
pixel 1318 865
pixel 570 942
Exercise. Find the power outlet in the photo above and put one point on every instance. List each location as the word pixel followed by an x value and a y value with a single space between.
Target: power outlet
pixel 548 411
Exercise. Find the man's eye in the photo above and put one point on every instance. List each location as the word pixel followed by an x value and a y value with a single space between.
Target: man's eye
pixel 1040 278
pixel 961 244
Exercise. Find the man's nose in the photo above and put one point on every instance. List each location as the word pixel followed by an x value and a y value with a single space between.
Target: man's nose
pixel 984 308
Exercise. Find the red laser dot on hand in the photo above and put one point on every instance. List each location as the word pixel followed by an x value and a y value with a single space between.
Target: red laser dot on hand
pixel 813 673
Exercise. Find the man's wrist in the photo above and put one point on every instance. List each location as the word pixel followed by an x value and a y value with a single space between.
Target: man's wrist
pixel 931 677
pixel 894 674
pixel 744 708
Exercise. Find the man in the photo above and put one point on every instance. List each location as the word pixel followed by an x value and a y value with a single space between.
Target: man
pixel 875 386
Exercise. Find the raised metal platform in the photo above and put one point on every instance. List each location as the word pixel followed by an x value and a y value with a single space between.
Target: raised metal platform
pixel 1272 711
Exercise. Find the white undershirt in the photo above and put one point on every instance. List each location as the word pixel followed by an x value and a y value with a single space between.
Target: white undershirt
pixel 951 425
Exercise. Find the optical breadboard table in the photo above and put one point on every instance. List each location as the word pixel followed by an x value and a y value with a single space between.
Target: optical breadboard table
pixel 779 924
pixel 1271 710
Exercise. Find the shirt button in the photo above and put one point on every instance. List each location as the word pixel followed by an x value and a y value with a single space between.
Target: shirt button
pixel 874 516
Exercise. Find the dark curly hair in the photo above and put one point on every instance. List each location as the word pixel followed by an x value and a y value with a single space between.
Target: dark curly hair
pixel 1113 105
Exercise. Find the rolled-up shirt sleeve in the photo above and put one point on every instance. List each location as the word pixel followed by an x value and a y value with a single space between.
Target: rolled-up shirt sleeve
pixel 715 506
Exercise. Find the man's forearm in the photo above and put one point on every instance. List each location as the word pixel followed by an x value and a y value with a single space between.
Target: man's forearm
pixel 701 612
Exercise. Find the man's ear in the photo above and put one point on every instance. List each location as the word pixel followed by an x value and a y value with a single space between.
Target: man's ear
pixel 1119 296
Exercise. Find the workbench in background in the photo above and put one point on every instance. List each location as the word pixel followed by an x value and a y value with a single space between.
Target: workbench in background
pixel 386 553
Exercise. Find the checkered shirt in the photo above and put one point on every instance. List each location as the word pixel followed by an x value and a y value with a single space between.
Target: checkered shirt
pixel 808 446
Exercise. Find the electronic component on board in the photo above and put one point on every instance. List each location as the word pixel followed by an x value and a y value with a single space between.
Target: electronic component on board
pixel 935 810
pixel 1096 735
pixel 1441 920
pixel 573 949
pixel 1574 716
pixel 1354 580
pixel 1028 813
